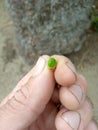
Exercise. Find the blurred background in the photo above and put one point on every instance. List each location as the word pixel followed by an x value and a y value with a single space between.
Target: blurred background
pixel 13 67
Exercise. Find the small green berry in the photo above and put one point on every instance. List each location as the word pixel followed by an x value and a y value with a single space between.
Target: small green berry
pixel 52 63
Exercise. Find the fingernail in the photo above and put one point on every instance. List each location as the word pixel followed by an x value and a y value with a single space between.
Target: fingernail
pixel 77 92
pixel 72 119
pixel 72 68
pixel 39 67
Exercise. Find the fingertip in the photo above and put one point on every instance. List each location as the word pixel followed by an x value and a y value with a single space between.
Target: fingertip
pixel 59 121
pixel 74 96
pixel 82 82
pixel 68 99
pixel 64 76
pixel 61 124
pixel 92 125
pixel 65 73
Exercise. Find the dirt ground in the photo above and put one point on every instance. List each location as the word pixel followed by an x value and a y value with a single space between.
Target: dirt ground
pixel 13 67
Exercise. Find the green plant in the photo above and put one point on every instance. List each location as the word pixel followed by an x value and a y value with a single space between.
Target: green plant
pixel 94 24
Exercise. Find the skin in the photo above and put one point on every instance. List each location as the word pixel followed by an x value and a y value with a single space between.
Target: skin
pixel 32 105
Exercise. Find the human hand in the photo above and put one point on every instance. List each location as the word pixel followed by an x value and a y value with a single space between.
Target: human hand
pixel 33 104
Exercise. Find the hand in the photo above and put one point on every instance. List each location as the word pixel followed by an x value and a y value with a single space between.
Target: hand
pixel 33 104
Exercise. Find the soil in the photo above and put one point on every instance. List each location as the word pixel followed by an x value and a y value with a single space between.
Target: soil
pixel 13 67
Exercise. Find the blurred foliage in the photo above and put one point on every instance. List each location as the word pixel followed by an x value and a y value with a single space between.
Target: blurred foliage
pixel 94 24
pixel 94 17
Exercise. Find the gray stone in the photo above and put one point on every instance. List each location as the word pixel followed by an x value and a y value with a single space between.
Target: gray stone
pixel 50 26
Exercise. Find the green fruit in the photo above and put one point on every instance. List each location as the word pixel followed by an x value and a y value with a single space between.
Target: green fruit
pixel 52 63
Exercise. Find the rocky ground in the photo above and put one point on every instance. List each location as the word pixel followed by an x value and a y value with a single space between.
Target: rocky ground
pixel 13 67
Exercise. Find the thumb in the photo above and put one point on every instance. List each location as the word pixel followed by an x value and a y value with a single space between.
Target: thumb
pixel 29 99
